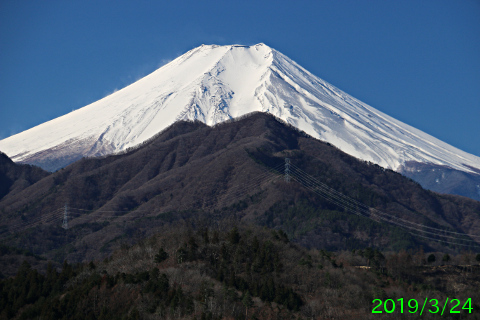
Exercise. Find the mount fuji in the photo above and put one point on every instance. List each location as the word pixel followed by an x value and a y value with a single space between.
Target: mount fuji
pixel 213 84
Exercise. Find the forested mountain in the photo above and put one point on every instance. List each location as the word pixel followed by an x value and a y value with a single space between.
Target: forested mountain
pixel 14 177
pixel 233 170
pixel 227 271
pixel 213 84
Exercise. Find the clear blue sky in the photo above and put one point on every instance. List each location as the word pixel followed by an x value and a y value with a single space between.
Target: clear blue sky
pixel 418 61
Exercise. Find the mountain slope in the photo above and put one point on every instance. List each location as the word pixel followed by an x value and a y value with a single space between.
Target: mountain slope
pixel 192 170
pixel 215 83
pixel 206 272
pixel 14 178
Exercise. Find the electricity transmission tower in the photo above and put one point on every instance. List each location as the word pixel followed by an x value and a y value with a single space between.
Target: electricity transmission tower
pixel 65 218
pixel 287 170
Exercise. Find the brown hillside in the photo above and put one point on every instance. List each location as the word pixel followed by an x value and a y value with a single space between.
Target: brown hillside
pixel 191 170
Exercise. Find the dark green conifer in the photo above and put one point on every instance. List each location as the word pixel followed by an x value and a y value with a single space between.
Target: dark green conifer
pixel 247 302
pixel 446 257
pixel 161 256
pixel 234 236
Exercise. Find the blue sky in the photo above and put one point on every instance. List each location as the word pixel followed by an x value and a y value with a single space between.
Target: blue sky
pixel 418 61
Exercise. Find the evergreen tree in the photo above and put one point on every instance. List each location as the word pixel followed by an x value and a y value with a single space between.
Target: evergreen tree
pixel 205 236
pixel 234 236
pixel 215 237
pixel 161 256
pixel 247 302
pixel 446 258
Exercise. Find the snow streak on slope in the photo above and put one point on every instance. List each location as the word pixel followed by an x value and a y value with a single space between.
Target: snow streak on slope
pixel 215 83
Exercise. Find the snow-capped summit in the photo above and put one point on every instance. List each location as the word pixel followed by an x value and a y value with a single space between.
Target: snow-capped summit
pixel 214 83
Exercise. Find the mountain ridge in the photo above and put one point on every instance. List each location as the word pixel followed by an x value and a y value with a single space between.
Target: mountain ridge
pixel 214 83
pixel 15 178
pixel 195 171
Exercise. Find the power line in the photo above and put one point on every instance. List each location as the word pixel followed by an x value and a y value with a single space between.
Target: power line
pixel 65 218
pixel 268 176
pixel 287 170
pixel 342 205
pixel 37 219
pixel 50 217
pixel 333 191
pixel 360 209
pixel 235 193
pixel 366 216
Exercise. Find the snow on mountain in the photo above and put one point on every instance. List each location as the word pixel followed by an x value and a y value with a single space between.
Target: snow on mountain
pixel 214 83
